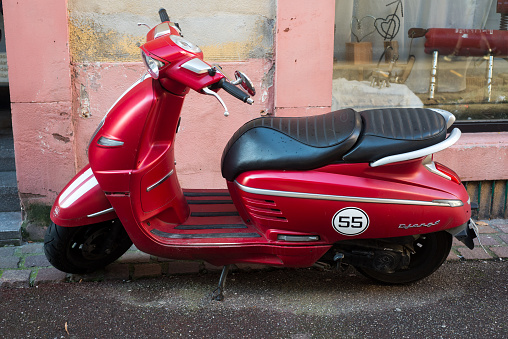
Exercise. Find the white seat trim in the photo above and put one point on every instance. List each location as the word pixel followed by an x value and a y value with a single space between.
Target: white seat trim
pixel 452 139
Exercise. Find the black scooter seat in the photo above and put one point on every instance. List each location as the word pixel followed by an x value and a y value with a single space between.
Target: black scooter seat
pixel 287 143
pixel 393 131
pixel 311 142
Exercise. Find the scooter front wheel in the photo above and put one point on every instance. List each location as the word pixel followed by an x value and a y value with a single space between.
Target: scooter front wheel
pixel 431 250
pixel 85 249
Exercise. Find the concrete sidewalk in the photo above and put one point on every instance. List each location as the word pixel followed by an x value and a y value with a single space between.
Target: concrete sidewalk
pixel 26 265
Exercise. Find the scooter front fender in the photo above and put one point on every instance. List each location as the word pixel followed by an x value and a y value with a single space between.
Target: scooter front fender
pixel 82 202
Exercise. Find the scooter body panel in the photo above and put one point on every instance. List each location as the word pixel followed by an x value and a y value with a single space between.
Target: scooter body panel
pixel 81 202
pixel 214 232
pixel 346 201
pixel 141 167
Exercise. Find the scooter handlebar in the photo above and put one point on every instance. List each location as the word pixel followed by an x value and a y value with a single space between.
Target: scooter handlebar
pixel 234 91
pixel 163 15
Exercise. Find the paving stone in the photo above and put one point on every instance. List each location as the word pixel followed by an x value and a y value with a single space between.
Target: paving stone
pixel 504 237
pixel 37 261
pixel 13 241
pixel 134 257
pixel 10 223
pixel 497 222
pixel 94 276
pixel 49 274
pixel 9 262
pixel 500 224
pixel 183 267
pixel 452 256
pixel 7 251
pixel 486 229
pixel 486 240
pixel 456 242
pixel 33 248
pixel 501 252
pixel 147 270
pixel 15 278
pixel 116 272
pixel 474 254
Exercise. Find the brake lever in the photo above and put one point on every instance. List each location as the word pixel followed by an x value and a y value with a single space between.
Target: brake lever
pixel 208 91
pixel 143 24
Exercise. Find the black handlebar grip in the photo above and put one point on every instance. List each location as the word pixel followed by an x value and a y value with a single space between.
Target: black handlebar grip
pixel 163 15
pixel 233 90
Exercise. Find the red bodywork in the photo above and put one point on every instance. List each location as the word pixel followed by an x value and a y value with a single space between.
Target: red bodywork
pixel 136 176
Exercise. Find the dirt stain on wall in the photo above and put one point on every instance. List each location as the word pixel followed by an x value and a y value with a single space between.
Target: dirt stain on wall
pixel 92 42
pixel 100 38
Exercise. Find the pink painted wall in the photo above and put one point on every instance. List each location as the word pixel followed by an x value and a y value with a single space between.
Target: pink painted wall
pixel 40 82
pixel 51 135
pixel 478 156
pixel 304 57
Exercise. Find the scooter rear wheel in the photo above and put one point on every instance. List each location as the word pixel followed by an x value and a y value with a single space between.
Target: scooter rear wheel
pixel 85 249
pixel 431 249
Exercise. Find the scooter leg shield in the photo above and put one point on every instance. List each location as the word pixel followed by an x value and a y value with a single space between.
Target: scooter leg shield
pixel 82 202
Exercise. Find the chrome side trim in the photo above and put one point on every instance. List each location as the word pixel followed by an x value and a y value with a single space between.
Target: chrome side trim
pixel 297 238
pixel 160 181
pixel 197 66
pixel 111 209
pixel 301 195
pixel 452 138
pixel 450 202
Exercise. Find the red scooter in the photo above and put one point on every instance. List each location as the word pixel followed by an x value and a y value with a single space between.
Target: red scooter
pixel 343 188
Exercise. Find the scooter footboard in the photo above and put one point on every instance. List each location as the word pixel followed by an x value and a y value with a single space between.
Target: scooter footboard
pixel 82 202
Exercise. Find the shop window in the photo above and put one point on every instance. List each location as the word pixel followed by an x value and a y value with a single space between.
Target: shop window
pixel 439 54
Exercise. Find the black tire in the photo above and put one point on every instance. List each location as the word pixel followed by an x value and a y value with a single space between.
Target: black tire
pixel 85 249
pixel 431 249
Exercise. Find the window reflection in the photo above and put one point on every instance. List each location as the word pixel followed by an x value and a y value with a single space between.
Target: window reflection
pixel 442 54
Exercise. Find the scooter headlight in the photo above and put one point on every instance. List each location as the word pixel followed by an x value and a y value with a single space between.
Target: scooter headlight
pixel 152 65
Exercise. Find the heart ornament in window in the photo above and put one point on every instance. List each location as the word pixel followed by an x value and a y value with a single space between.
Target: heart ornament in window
pixel 388 27
pixel 362 28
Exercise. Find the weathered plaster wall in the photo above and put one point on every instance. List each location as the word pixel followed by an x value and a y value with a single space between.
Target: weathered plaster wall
pixel 40 82
pixel 104 41
pixel 225 30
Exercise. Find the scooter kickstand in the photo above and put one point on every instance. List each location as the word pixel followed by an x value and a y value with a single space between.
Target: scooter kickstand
pixel 218 294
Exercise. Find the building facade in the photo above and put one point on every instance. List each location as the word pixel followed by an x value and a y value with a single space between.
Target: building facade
pixel 70 59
